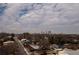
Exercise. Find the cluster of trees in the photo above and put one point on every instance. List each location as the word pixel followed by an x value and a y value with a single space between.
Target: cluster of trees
pixel 59 39
pixel 52 38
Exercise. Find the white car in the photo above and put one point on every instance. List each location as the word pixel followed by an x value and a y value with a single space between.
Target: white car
pixel 25 41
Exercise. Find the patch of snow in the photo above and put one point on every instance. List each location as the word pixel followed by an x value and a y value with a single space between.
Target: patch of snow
pixel 35 46
pixel 69 52
pixel 8 42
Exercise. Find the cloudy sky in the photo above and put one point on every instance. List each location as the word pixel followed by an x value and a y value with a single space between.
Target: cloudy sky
pixel 58 18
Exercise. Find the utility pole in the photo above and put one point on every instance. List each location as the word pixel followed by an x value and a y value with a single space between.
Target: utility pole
pixel 22 49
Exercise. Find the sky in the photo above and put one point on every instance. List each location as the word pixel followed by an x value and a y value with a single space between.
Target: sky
pixel 39 17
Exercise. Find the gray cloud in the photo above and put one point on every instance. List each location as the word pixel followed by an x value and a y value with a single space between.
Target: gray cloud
pixel 40 17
